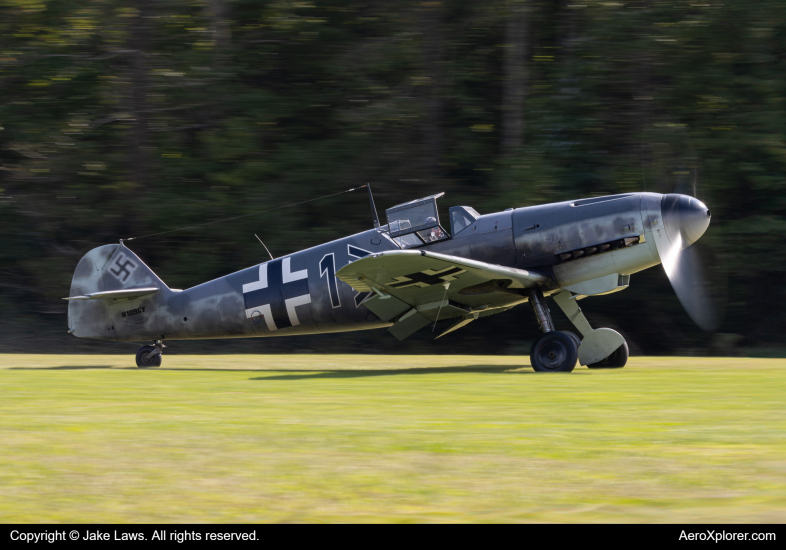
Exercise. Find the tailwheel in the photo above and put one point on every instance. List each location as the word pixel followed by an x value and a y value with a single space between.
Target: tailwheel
pixel 616 360
pixel 554 352
pixel 149 356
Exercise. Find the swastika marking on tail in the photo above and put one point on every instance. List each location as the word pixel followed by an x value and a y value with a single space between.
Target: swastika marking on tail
pixel 122 268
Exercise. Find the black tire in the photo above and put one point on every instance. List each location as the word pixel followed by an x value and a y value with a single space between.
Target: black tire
pixel 616 360
pixel 575 338
pixel 142 362
pixel 554 352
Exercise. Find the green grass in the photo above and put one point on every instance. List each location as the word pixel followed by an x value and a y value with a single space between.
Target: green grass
pixel 390 438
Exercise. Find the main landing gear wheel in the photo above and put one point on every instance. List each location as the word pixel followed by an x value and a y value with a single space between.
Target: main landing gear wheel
pixel 575 338
pixel 616 360
pixel 554 352
pixel 144 359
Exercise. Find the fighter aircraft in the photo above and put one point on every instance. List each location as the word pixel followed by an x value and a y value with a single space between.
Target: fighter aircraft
pixel 412 272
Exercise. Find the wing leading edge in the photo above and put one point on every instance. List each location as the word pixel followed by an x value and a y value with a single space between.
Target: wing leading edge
pixel 415 287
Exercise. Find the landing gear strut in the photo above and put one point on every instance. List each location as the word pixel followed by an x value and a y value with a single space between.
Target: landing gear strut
pixel 601 348
pixel 150 356
pixel 554 351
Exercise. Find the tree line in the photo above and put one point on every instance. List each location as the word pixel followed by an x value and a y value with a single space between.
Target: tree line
pixel 127 118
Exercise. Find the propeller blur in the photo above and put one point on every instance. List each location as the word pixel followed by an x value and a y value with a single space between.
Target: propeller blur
pixel 686 219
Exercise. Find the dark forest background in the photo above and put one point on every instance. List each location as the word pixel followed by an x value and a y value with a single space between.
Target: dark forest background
pixel 122 118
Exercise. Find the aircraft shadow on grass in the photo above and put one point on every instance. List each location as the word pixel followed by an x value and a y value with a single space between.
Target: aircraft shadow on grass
pixel 338 374
pixel 325 374
pixel 305 374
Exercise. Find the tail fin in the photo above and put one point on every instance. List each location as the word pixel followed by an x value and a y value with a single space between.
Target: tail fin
pixel 104 269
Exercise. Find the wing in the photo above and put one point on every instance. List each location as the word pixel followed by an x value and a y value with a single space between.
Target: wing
pixel 415 287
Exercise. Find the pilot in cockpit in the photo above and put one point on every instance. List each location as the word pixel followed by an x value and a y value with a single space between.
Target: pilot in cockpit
pixel 435 233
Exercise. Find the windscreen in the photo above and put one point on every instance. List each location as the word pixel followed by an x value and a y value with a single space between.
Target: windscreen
pixel 459 220
pixel 462 217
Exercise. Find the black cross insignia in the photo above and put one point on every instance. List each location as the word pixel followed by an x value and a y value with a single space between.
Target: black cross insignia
pixel 277 297
pixel 426 278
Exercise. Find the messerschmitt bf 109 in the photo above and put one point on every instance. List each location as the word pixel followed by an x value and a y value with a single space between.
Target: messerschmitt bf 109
pixel 411 273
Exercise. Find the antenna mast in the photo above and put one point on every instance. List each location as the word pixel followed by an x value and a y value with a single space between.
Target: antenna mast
pixel 263 244
pixel 374 216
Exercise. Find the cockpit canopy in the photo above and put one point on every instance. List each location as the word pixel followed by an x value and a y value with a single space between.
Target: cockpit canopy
pixel 416 223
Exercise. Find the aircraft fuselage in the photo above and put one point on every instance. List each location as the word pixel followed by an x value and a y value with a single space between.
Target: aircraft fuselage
pixel 571 242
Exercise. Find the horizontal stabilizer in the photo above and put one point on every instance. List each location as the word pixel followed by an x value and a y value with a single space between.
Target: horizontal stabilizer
pixel 117 294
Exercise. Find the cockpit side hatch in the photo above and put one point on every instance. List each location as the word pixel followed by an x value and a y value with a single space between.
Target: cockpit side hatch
pixel 416 223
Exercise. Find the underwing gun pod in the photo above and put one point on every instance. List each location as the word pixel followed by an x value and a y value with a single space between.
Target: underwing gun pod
pixel 409 274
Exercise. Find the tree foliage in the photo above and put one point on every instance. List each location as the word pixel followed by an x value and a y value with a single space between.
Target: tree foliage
pixel 121 119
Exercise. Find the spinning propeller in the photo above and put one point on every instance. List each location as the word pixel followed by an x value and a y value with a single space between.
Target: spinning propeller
pixel 698 277
pixel 685 220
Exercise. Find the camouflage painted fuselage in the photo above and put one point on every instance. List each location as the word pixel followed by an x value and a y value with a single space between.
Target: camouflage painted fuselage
pixel 300 294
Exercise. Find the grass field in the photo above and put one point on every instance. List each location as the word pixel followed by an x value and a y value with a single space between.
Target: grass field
pixel 303 438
